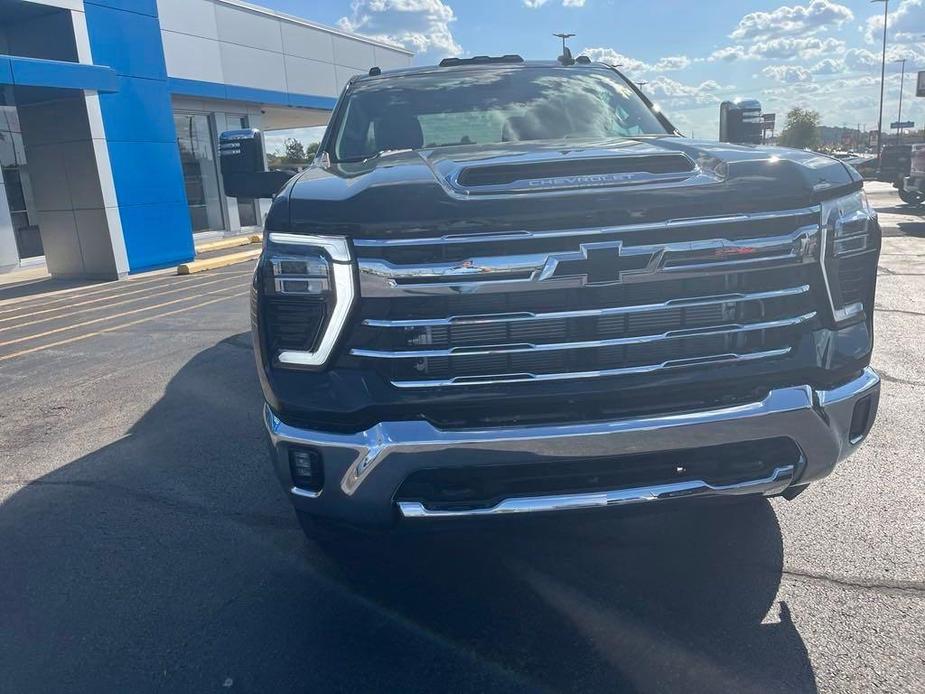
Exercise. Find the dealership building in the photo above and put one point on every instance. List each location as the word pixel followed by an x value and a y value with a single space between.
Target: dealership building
pixel 110 116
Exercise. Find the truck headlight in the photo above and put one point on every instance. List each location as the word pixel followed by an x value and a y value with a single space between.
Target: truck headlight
pixel 850 241
pixel 307 291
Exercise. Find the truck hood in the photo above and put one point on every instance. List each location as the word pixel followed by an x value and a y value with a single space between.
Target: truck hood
pixel 554 184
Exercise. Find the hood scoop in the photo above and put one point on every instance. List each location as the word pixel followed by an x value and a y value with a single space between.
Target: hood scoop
pixel 544 176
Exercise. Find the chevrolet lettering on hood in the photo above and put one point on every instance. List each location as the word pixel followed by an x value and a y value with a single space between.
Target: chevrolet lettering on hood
pixel 581 181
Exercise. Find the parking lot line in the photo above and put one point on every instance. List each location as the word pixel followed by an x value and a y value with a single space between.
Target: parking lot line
pixel 152 290
pixel 69 295
pixel 101 307
pixel 146 319
pixel 107 318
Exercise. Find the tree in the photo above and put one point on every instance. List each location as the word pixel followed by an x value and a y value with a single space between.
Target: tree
pixel 802 129
pixel 295 151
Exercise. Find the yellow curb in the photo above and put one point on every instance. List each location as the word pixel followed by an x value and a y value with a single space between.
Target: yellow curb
pixel 217 262
pixel 231 242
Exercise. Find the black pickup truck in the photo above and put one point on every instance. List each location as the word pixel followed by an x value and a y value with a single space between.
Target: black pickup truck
pixel 512 287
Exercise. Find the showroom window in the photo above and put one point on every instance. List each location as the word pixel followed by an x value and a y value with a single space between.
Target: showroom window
pixel 196 140
pixel 16 181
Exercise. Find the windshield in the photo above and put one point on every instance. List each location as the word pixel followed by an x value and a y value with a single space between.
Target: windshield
pixel 487 106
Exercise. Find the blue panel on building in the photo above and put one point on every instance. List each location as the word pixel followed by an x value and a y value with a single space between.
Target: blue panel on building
pixel 307 101
pixel 260 96
pixel 35 72
pixel 6 70
pixel 144 172
pixel 208 90
pixel 127 41
pixel 148 7
pixel 163 235
pixel 232 92
pixel 141 138
pixel 139 101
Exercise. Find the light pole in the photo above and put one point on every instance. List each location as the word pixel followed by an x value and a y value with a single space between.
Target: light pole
pixel 902 83
pixel 886 12
pixel 564 37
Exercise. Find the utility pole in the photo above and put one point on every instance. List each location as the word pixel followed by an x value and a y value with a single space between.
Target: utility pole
pixel 902 83
pixel 886 14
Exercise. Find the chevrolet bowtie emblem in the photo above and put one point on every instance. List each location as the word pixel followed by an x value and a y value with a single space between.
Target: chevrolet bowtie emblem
pixel 600 263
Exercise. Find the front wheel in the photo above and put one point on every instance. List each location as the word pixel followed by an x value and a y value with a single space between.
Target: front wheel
pixel 911 197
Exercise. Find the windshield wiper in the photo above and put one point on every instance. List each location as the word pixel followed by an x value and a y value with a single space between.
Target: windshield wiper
pixel 370 157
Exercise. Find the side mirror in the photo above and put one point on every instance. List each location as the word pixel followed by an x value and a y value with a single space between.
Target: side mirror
pixel 244 172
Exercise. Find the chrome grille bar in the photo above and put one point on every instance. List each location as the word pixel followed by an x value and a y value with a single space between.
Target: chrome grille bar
pixel 613 342
pixel 592 231
pixel 545 270
pixel 693 302
pixel 600 373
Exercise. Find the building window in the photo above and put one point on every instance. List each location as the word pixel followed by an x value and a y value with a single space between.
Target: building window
pixel 196 141
pixel 16 181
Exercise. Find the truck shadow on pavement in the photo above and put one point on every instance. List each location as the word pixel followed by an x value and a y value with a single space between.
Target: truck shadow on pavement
pixel 170 560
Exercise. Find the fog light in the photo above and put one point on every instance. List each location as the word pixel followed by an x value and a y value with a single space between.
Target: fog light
pixel 306 469
pixel 860 420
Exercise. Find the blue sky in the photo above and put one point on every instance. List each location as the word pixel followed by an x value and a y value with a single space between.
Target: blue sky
pixel 824 54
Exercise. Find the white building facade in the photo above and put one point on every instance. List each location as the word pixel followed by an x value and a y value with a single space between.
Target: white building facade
pixel 111 112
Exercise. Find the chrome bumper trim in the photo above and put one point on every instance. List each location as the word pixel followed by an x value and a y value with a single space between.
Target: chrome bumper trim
pixel 365 469
pixel 775 483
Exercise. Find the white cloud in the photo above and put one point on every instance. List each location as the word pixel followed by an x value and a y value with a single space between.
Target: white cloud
pixel 672 62
pixel 422 26
pixel 906 24
pixel 728 54
pixel 611 57
pixel 683 96
pixel 632 65
pixel 804 48
pixel 787 74
pixel 798 19
pixel 863 60
pixel 829 66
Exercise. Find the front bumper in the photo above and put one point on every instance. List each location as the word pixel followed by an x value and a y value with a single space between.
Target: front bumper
pixel 363 471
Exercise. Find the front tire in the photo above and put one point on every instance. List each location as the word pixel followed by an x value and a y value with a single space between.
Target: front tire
pixel 910 197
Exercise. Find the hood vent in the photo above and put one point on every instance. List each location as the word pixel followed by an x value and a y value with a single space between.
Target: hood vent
pixel 576 173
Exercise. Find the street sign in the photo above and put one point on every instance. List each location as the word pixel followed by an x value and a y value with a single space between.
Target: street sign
pixel 920 91
pixel 905 125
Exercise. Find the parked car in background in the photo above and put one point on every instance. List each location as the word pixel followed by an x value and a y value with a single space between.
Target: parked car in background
pixel 895 163
pixel 913 190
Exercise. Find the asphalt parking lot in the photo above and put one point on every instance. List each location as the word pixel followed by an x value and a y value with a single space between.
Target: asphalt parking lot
pixel 145 544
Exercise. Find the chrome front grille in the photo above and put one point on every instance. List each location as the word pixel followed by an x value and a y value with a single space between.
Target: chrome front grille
pixel 555 306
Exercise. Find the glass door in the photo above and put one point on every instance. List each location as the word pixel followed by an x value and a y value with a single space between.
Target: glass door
pixel 247 207
pixel 195 138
